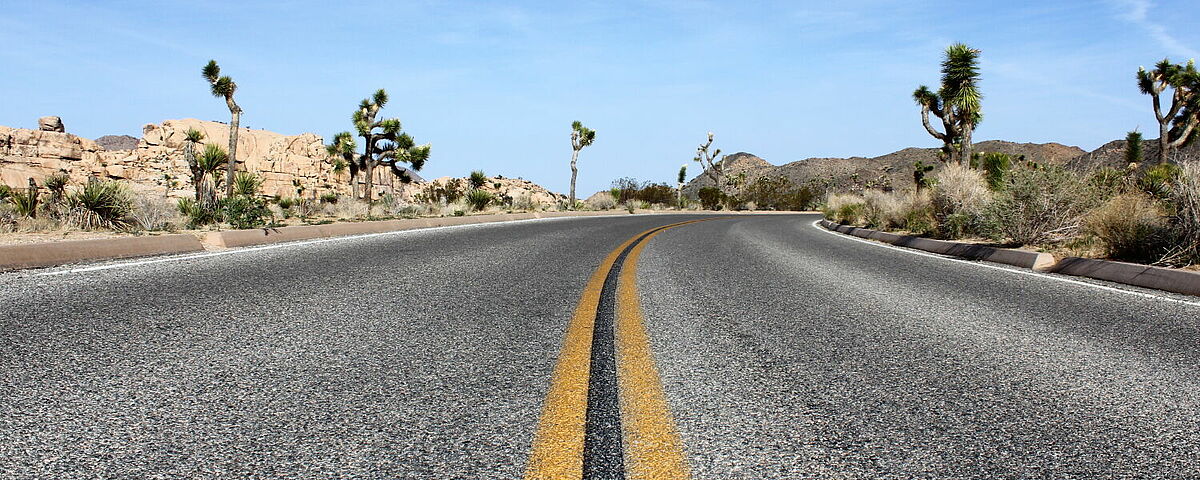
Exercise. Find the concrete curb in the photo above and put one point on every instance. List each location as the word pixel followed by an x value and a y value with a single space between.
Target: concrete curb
pixel 1171 280
pixel 1017 258
pixel 1159 278
pixel 34 255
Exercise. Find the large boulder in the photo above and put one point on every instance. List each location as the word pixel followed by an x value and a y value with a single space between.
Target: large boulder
pixel 51 124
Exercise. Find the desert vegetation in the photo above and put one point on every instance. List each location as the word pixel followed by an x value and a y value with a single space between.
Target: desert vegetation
pixel 581 137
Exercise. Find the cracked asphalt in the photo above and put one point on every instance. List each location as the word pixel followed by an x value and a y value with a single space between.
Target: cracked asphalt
pixel 784 352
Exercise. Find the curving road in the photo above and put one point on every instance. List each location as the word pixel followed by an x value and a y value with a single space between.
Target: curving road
pixel 772 349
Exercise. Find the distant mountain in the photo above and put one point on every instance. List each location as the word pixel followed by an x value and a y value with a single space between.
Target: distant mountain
pixel 117 142
pixel 1112 154
pixel 891 171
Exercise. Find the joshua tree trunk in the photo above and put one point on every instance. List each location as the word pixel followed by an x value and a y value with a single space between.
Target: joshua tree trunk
pixel 370 172
pixel 964 154
pixel 574 172
pixel 231 167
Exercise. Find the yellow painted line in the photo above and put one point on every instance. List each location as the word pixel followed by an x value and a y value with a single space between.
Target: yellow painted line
pixel 653 449
pixel 557 451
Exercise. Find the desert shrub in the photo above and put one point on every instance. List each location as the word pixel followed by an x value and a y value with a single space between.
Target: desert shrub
pixel 459 213
pixel 479 199
pixel 883 210
pixel 1158 180
pixel 305 208
pixel 1130 226
pixel 1038 204
pixel 154 214
pixel 624 189
pixel 1185 220
pixel 845 208
pixel 711 198
pixel 5 192
pixel 285 203
pixel 57 183
pixel 245 211
pixel 603 202
pixel 329 197
pixel 347 208
pixel 959 197
pixel 777 193
pixel 1109 182
pixel 8 218
pixel 198 214
pixel 656 193
pixel 100 204
pixel 917 209
pixel 524 201
pixel 477 179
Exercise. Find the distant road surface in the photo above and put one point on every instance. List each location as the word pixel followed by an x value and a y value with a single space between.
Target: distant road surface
pixel 746 346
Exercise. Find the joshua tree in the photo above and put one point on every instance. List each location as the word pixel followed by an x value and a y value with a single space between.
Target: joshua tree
pixel 343 150
pixel 679 192
pixel 191 138
pixel 581 136
pixel 225 88
pixel 956 103
pixel 1177 125
pixel 713 168
pixel 384 144
pixel 1133 147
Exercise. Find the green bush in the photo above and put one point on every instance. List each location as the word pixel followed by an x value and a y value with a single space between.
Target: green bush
pixel 659 193
pixel 1038 204
pixel 246 183
pixel 994 165
pixel 5 192
pixel 100 204
pixel 479 199
pixel 285 202
pixel 197 213
pixel 329 198
pixel 244 211
pixel 711 198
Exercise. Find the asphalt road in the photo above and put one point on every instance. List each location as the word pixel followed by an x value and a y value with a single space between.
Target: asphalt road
pixel 783 351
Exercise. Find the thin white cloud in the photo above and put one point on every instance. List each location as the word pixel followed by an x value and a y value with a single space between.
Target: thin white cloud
pixel 1138 13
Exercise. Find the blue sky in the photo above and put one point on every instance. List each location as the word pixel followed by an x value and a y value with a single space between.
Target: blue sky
pixel 496 85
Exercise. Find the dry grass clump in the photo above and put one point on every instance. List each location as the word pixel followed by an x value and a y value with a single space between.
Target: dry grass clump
pixel 1129 226
pixel 1185 196
pixel 883 209
pixel 345 208
pixel 156 214
pixel 845 208
pixel 602 202
pixel 960 195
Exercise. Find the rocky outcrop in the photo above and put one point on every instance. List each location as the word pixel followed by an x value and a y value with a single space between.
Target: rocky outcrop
pixel 286 163
pixel 118 142
pixel 51 124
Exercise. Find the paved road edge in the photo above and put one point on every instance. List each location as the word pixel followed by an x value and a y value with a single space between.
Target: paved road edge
pixel 1159 278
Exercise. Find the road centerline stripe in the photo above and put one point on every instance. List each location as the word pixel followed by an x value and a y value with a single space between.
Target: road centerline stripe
pixel 558 450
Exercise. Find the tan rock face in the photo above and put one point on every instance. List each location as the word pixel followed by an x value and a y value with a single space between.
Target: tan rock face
pixel 287 164
pixel 51 124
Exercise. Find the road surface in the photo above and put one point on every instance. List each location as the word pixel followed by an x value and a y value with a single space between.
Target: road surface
pixel 733 347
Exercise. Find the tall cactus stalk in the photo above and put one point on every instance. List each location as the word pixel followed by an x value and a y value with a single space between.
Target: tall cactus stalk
pixel 1177 124
pixel 224 87
pixel 709 161
pixel 956 103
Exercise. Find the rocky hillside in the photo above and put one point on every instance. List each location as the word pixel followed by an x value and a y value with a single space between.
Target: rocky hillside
pixel 891 171
pixel 1112 154
pixel 117 142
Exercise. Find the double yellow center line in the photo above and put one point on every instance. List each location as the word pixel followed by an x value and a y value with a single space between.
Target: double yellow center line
pixel 652 448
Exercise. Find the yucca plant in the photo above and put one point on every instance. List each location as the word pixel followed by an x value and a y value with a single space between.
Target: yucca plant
pixel 100 204
pixel 24 202
pixel 956 103
pixel 191 138
pixel 477 179
pixel 479 199
pixel 210 162
pixel 246 183
pixel 223 87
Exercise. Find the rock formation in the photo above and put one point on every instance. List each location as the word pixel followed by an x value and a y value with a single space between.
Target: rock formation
pixel 286 163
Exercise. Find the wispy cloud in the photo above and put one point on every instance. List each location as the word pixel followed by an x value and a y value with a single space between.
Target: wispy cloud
pixel 1138 13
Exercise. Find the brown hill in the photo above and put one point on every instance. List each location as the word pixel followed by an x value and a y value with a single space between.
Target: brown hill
pixel 1112 154
pixel 891 171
